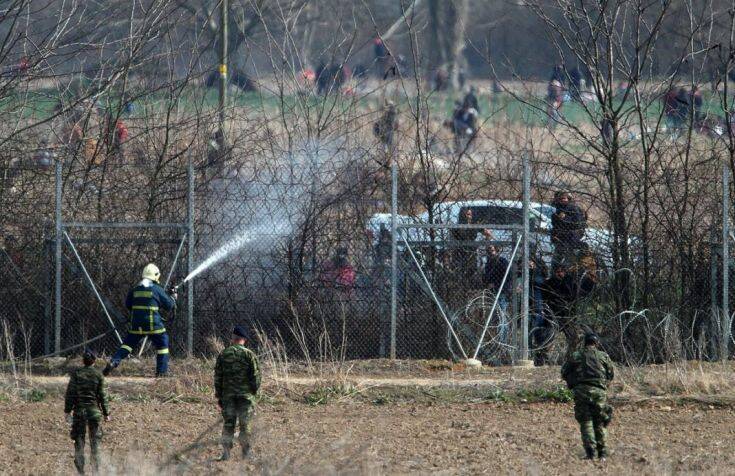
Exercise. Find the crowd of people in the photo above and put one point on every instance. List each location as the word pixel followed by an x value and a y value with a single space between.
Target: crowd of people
pixel 680 104
pixel 567 85
pixel 336 76
pixel 553 296
pixel 685 107
pixel 236 372
pixel 89 131
pixel 463 123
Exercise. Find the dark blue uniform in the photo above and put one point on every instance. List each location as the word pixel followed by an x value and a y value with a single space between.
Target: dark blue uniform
pixel 145 302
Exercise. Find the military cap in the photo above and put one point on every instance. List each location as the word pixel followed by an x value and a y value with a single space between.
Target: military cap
pixel 89 354
pixel 240 331
pixel 591 338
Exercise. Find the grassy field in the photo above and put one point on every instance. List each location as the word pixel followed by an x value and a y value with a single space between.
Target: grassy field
pixel 38 104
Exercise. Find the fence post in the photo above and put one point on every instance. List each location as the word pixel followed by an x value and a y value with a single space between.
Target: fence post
pixel 190 259
pixel 526 231
pixel 393 256
pixel 47 292
pixel 725 318
pixel 713 325
pixel 223 37
pixel 57 259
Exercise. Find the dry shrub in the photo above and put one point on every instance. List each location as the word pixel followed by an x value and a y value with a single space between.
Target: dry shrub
pixel 323 362
pixel 681 378
pixel 18 368
pixel 215 344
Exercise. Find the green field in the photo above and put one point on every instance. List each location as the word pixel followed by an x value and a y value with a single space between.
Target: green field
pixel 496 108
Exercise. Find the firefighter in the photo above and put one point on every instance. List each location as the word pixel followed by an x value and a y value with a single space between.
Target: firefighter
pixel 145 301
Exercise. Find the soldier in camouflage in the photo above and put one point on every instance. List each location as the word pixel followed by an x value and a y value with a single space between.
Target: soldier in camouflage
pixel 587 373
pixel 236 383
pixel 87 398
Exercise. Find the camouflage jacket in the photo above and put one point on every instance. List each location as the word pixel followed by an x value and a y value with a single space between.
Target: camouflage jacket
pixel 237 373
pixel 86 390
pixel 588 366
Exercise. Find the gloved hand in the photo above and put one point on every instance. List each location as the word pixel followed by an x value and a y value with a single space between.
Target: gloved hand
pixel 68 418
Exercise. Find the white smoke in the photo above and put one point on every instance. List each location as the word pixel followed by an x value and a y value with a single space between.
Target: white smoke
pixel 266 204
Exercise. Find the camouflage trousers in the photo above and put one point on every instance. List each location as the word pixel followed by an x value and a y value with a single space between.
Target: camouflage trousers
pixel 236 411
pixel 86 419
pixel 591 410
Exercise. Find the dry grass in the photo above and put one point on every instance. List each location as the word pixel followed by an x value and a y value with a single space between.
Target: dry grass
pixel 325 365
pixel 682 379
pixel 325 375
pixel 322 382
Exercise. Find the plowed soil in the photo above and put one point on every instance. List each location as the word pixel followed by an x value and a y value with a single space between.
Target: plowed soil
pixel 151 434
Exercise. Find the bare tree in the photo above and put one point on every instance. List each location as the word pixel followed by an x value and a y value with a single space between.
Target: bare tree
pixel 446 49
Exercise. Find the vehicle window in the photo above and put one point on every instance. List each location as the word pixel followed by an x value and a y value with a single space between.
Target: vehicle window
pixel 496 215
pixel 546 210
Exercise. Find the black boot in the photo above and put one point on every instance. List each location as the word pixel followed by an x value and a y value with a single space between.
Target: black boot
pixel 589 452
pixel 79 456
pixel 225 454
pixel 95 461
pixel 601 452
pixel 245 450
pixel 79 464
pixel 108 368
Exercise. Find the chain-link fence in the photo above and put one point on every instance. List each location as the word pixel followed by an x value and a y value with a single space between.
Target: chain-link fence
pixel 459 282
pixel 303 271
pixel 281 192
pixel 304 240
pixel 325 289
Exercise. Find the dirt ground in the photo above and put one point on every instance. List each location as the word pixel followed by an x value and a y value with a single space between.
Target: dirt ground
pixel 360 438
pixel 376 425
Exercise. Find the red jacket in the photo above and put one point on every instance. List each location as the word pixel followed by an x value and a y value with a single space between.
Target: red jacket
pixel 342 277
pixel 121 132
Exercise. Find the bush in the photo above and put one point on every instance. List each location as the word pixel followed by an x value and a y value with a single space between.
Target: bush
pixel 35 395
